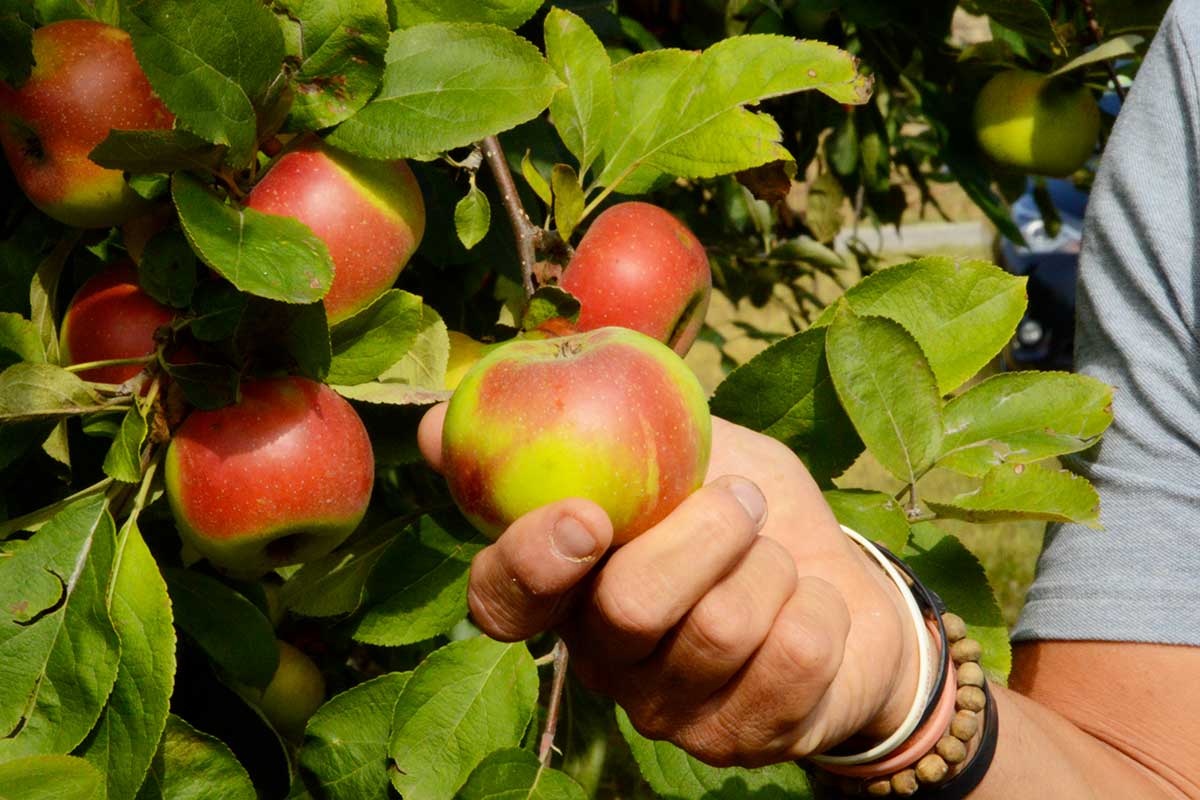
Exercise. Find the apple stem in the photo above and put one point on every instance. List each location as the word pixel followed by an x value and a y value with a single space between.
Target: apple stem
pixel 1089 11
pixel 526 233
pixel 546 747
pixel 110 362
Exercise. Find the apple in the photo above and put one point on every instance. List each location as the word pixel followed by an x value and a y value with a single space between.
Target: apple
pixel 638 267
pixel 464 352
pixel 295 692
pixel 1036 124
pixel 110 317
pixel 609 415
pixel 85 82
pixel 281 477
pixel 370 214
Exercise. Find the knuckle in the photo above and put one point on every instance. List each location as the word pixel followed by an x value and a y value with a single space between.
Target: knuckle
pixel 649 721
pixel 620 610
pixel 720 514
pixel 715 741
pixel 718 628
pixel 805 649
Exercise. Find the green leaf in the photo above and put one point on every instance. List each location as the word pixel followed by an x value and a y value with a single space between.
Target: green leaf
pixel 340 55
pixel 17 20
pixel 683 113
pixel 944 564
pixel 1023 492
pixel 150 186
pixel 461 703
pixel 43 290
pixel 157 151
pixel 306 338
pixel 50 778
pixel 535 179
pixel 206 386
pixel 267 255
pixel 57 10
pixel 1022 417
pixel 334 584
pixel 961 312
pixel 209 62
pixel 568 199
pixel 227 626
pixel 673 773
pixel 218 308
pixel 516 773
pixel 823 215
pixel 167 271
pixel 19 340
pixel 375 338
pixel 472 217
pixel 447 85
pixel 391 394
pixel 548 303
pixel 58 647
pixel 124 459
pixel 787 393
pixel 418 587
pixel 505 13
pixel 33 397
pixel 876 515
pixel 583 109
pixel 1026 17
pixel 888 391
pixel 345 755
pixel 124 741
pixel 190 765
pixel 1117 47
pixel 424 365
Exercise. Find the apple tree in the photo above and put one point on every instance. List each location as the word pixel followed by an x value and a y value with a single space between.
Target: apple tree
pixel 233 285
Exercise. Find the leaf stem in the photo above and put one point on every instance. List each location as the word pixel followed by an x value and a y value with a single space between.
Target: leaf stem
pixel 111 362
pixel 1089 11
pixel 527 234
pixel 546 747
pixel 598 199
pixel 61 413
pixel 9 527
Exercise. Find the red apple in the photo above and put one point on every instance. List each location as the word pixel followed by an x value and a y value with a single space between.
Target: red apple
pixel 110 317
pixel 638 267
pixel 370 214
pixel 610 415
pixel 281 477
pixel 85 82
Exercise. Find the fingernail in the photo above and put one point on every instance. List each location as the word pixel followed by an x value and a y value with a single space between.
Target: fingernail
pixel 571 540
pixel 750 497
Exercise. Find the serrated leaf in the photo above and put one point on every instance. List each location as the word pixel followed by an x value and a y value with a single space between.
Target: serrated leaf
pixel 167 271
pixel 227 626
pixel 54 777
pixel 505 13
pixel 19 340
pixel 424 365
pixel 345 755
pixel 1116 47
pixel 515 773
pixel 206 386
pixel 787 393
pixel 125 739
pixel 582 110
pixel 876 515
pixel 391 394
pixel 1023 417
pixel 447 85
pixel 218 308
pixel 683 113
pixel 58 647
pixel 157 151
pixel 123 462
pixel 32 392
pixel 944 564
pixel 375 338
pixel 462 702
pixel 340 58
pixel 673 773
pixel 43 289
pixel 888 391
pixel 535 180
pixel 57 10
pixel 271 256
pixel 568 199
pixel 1023 492
pixel 209 62
pixel 472 217
pixel 418 587
pixel 334 584
pixel 308 340
pixel 549 303
pixel 190 765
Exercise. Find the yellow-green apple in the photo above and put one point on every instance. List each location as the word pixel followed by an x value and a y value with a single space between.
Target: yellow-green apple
pixel 370 214
pixel 85 82
pixel 610 415
pixel 638 267
pixel 295 692
pixel 281 477
pixel 464 352
pixel 1033 123
pixel 110 318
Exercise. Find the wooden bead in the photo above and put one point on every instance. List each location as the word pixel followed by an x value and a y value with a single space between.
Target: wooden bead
pixel 971 698
pixel 965 650
pixel 951 749
pixel 955 627
pixel 904 782
pixel 932 769
pixel 964 725
pixel 970 674
pixel 881 787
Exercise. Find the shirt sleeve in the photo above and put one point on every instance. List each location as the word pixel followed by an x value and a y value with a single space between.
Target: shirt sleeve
pixel 1138 579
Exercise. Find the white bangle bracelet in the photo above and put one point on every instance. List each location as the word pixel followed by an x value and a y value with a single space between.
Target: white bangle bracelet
pixel 924 675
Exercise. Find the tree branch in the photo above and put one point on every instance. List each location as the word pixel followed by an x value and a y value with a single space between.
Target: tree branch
pixel 546 747
pixel 526 233
pixel 1089 10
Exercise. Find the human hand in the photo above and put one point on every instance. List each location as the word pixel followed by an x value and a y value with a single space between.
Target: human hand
pixel 745 627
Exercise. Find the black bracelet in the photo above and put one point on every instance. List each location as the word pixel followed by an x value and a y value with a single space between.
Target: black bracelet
pixel 965 782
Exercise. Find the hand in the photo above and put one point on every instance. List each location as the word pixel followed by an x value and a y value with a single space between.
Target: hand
pixel 745 627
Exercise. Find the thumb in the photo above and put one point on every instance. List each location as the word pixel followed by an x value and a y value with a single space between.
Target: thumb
pixel 520 585
pixel 429 435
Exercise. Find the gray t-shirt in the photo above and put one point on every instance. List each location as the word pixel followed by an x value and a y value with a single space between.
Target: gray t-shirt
pixel 1138 307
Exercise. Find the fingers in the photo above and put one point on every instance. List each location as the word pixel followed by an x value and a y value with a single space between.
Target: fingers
pixel 429 435
pixel 519 585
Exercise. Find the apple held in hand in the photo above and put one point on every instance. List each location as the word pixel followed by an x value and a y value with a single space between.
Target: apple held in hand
pixel 638 267
pixel 612 416
pixel 282 477
pixel 1033 123
pixel 370 214
pixel 85 82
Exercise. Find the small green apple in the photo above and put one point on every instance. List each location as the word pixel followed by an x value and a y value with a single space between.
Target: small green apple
pixel 295 692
